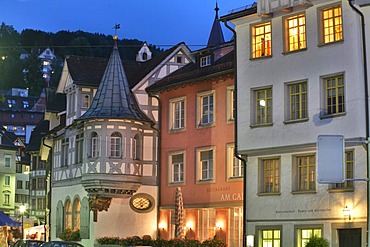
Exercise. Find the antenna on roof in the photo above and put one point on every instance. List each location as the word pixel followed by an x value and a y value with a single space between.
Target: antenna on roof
pixel 117 26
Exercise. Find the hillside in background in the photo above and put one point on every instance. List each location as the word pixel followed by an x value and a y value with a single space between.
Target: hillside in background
pixel 63 43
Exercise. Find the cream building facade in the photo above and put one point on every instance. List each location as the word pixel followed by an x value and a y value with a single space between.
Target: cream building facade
pixel 300 75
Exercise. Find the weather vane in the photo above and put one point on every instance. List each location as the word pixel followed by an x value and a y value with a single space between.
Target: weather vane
pixel 117 26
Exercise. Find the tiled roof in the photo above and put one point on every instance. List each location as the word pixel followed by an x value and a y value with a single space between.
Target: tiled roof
pixel 114 98
pixel 7 139
pixel 192 72
pixel 37 134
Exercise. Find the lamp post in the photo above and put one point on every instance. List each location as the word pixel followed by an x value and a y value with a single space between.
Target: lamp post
pixel 22 209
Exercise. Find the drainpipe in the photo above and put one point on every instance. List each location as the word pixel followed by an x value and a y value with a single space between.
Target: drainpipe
pixel 366 113
pixel 46 194
pixel 236 138
pixel 158 160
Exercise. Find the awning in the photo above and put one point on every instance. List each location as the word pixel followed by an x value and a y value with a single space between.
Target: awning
pixel 5 220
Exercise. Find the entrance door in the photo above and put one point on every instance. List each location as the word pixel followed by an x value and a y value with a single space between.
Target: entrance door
pixel 350 237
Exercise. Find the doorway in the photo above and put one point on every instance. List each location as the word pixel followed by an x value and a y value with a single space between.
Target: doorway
pixel 349 237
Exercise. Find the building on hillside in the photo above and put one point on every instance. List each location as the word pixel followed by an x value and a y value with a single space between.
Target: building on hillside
pixel 103 145
pixel 300 75
pixel 19 113
pixel 37 174
pixel 47 58
pixel 197 146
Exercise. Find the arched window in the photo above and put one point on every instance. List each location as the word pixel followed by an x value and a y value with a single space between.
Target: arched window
pixel 95 145
pixel 76 214
pixel 68 215
pixel 145 56
pixel 116 145
pixel 136 147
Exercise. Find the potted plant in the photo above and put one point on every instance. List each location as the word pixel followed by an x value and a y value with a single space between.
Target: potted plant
pixel 317 242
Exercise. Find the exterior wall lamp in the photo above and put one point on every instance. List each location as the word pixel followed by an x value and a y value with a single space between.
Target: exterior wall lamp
pixel 162 226
pixel 347 213
pixel 189 225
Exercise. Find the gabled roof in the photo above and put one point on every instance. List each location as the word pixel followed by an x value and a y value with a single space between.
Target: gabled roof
pixel 7 139
pixel 192 73
pixel 114 98
pixel 37 134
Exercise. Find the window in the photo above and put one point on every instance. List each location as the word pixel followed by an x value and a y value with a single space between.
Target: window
pixel 269 238
pixel 205 170
pixel 263 106
pixel 7 180
pixel 295 36
pixel 85 100
pixel 206 110
pixel 79 148
pixel 177 113
pixel 178 59
pixel 205 61
pixel 231 103
pixel 136 147
pixel 27 185
pixel 349 172
pixel 76 213
pixel 334 94
pixel 64 154
pixel 18 198
pixel 297 101
pixel 40 203
pixel 261 40
pixel 7 160
pixel 33 182
pixel 331 24
pixel 18 168
pixel 306 173
pixel 304 234
pixel 41 165
pixel 115 145
pixel 236 227
pixel 11 103
pixel 235 167
pixel 34 161
pixel 95 145
pixel 177 167
pixel 68 215
pixel 19 184
pixel 41 183
pixel 6 199
pixel 207 222
pixel 270 174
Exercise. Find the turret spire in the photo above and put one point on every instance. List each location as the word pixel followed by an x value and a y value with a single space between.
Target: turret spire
pixel 216 37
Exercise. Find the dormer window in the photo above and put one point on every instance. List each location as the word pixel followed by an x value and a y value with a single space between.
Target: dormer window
pixel 145 56
pixel 205 61
pixel 26 104
pixel 11 102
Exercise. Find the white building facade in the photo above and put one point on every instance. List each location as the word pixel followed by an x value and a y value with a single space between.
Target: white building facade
pixel 300 75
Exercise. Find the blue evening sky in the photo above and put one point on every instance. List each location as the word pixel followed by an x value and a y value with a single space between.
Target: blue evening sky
pixel 159 22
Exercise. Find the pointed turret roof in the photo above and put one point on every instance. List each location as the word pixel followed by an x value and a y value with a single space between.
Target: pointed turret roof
pixel 216 36
pixel 114 98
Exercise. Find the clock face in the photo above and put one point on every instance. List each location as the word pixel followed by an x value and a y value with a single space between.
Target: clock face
pixel 142 203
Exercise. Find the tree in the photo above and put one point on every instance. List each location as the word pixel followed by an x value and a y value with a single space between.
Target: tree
pixel 33 75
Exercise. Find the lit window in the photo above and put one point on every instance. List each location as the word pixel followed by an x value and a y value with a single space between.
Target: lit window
pixel 235 167
pixel 236 227
pixel 177 167
pixel 331 24
pixel 68 215
pixel 263 106
pixel 205 61
pixel 76 216
pixel 231 103
pixel 349 172
pixel 177 114
pixel 270 238
pixel 261 40
pixel 26 104
pixel 295 38
pixel 306 173
pixel 12 115
pixel 11 103
pixel 304 235
pixel 207 222
pixel 334 95
pixel 270 174
pixel 297 101
pixel 115 145
pixel 205 164
pixel 206 108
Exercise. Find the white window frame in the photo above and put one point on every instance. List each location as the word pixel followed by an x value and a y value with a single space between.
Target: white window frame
pixel 209 113
pixel 7 161
pixel 7 181
pixel 231 104
pixel 175 123
pixel 180 168
pixel 208 166
pixel 95 145
pixel 116 145
pixel 205 61
pixel 86 100
pixel 233 163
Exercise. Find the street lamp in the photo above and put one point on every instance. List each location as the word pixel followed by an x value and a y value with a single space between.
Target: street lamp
pixel 22 209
